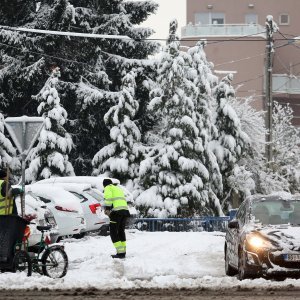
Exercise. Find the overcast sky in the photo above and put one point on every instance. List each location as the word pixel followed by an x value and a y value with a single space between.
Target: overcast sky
pixel 168 10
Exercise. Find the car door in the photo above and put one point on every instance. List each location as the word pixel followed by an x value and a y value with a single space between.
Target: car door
pixel 236 233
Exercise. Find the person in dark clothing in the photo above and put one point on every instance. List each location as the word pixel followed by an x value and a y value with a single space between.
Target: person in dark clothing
pixel 117 209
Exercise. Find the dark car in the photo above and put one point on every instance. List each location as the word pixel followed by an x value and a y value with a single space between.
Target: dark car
pixel 263 240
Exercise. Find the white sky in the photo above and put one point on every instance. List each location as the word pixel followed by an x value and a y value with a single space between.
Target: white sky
pixel 168 10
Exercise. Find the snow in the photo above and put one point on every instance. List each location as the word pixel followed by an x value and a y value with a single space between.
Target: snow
pixel 155 260
pixel 57 194
pixel 75 34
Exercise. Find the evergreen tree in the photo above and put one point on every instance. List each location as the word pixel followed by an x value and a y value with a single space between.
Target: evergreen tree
pixel 245 178
pixel 8 156
pixel 121 158
pixel 174 176
pixel 232 141
pixel 92 68
pixel 202 76
pixel 50 157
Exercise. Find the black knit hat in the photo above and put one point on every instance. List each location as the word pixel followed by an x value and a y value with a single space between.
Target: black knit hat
pixel 107 182
pixel 2 173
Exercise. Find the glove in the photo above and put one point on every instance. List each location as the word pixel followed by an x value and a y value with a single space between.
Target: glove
pixel 16 191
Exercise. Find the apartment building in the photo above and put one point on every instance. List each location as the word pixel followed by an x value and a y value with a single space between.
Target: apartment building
pixel 235 33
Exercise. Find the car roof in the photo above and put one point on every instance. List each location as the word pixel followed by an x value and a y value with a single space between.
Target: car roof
pixel 94 181
pixel 274 197
pixel 71 187
pixel 58 195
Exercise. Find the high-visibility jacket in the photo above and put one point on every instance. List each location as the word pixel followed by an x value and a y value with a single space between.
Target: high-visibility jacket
pixel 114 198
pixel 6 204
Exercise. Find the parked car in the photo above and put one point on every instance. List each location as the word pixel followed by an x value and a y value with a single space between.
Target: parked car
pixel 97 186
pixel 39 215
pixel 87 197
pixel 264 237
pixel 64 206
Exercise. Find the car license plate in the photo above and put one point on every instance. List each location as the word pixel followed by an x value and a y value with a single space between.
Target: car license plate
pixel 292 257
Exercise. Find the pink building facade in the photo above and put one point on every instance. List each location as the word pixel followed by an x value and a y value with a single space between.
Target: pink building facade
pixel 235 33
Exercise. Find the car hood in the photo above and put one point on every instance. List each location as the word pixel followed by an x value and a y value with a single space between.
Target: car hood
pixel 284 236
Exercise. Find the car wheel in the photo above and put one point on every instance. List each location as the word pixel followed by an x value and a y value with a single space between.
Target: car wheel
pixel 104 230
pixel 79 235
pixel 243 271
pixel 229 270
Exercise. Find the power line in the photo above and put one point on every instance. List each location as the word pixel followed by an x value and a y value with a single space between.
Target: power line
pixel 122 37
pixel 250 57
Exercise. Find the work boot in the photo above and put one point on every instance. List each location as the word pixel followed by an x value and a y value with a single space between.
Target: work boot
pixel 119 255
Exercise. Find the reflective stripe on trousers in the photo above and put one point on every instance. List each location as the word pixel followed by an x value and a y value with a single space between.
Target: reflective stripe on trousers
pixel 120 247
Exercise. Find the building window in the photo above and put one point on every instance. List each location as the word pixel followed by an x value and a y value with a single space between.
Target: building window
pixel 284 19
pixel 209 18
pixel 251 19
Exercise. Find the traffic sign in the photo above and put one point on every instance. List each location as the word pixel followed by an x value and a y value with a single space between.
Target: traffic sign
pixel 24 131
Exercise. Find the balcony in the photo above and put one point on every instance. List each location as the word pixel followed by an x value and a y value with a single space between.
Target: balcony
pixel 285 84
pixel 223 30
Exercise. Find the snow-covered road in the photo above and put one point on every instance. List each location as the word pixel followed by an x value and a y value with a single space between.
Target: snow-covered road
pixel 160 259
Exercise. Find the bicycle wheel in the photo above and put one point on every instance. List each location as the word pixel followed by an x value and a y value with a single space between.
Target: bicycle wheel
pixel 55 262
pixel 22 262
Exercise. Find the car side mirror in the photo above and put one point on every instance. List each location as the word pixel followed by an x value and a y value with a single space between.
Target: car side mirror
pixel 234 224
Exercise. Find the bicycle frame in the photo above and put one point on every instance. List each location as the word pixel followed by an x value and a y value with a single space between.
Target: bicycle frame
pixel 36 258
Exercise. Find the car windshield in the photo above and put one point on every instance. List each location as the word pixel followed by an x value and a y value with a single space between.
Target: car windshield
pixel 275 212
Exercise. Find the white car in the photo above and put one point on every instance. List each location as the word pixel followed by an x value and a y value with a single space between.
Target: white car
pixel 97 186
pixel 39 215
pixel 96 183
pixel 89 201
pixel 64 206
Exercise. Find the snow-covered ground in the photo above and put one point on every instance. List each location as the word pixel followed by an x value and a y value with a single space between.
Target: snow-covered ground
pixel 160 259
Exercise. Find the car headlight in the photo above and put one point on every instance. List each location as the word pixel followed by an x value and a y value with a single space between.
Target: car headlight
pixel 257 242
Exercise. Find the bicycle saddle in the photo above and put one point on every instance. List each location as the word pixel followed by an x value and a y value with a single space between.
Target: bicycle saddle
pixel 43 228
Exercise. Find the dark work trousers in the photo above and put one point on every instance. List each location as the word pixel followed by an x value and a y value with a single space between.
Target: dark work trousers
pixel 117 225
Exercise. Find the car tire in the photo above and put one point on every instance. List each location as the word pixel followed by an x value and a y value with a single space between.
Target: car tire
pixel 104 230
pixel 79 235
pixel 229 270
pixel 243 270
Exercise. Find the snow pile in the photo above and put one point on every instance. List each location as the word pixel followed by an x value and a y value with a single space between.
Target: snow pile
pixel 155 260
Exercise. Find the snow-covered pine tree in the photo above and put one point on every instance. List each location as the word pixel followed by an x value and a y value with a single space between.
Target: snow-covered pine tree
pixel 117 17
pixel 245 178
pixel 232 141
pixel 202 76
pixel 174 177
pixel 91 67
pixel 50 157
pixel 8 155
pixel 122 157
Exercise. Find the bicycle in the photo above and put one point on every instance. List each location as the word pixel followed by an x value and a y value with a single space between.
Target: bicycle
pixel 51 261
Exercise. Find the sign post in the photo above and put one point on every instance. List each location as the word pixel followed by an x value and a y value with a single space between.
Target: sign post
pixel 24 131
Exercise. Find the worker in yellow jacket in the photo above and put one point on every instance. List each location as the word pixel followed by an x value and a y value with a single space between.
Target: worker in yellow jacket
pixel 7 203
pixel 117 209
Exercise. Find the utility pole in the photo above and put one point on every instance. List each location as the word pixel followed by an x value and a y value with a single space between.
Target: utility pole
pixel 271 27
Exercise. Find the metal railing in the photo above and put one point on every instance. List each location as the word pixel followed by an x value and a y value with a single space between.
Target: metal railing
pixel 182 224
pixel 223 30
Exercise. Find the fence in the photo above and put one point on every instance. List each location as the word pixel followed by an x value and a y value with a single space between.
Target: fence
pixel 181 224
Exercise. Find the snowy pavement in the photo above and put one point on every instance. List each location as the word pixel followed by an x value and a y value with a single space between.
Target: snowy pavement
pixel 155 260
